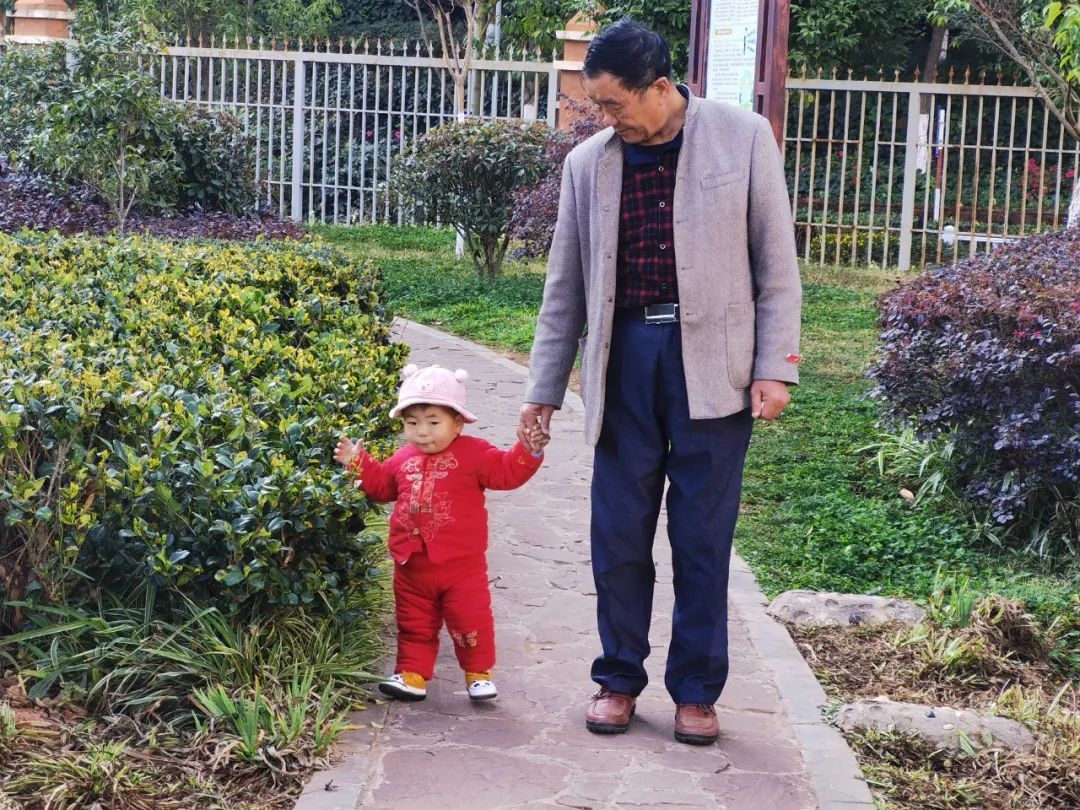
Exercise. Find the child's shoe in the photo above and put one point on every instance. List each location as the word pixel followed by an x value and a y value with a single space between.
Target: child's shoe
pixel 480 686
pixel 405 686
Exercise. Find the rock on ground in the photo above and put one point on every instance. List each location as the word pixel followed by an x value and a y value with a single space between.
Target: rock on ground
pixel 938 725
pixel 842 609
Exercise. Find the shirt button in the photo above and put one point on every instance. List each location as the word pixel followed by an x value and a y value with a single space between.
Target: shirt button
pixel 663 246
pixel 662 204
pixel 416 531
pixel 659 168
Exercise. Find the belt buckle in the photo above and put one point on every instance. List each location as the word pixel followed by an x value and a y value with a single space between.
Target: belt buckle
pixel 661 313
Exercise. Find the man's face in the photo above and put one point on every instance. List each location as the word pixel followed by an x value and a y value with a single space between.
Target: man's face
pixel 639 117
pixel 431 428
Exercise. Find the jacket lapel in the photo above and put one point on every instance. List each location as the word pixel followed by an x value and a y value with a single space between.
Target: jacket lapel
pixel 608 197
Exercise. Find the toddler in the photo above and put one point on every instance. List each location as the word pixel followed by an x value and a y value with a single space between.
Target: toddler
pixel 438 529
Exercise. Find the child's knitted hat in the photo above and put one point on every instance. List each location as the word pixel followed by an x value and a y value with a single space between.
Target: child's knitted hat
pixel 433 385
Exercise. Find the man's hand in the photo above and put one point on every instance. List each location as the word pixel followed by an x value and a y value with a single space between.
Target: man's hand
pixel 768 398
pixel 532 415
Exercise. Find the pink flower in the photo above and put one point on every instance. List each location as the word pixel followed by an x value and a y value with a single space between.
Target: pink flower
pixel 1070 174
pixel 397 134
pixel 370 133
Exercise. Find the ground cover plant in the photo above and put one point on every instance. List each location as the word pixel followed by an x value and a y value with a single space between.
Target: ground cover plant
pixel 27 201
pixel 189 583
pixel 829 500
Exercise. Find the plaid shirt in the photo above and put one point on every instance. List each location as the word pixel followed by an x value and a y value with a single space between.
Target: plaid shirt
pixel 645 273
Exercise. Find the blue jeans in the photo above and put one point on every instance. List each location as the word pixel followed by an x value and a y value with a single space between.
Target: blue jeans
pixel 648 436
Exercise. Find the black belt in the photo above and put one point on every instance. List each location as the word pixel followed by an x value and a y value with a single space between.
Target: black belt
pixel 653 313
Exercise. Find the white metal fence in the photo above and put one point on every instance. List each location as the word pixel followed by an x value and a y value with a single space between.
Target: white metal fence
pixel 880 172
pixel 904 173
pixel 328 123
pixel 890 173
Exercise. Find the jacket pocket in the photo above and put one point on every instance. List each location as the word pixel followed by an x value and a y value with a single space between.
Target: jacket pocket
pixel 722 178
pixel 740 338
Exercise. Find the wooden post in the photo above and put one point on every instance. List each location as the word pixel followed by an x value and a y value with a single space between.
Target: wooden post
pixel 40 21
pixel 575 38
pixel 770 70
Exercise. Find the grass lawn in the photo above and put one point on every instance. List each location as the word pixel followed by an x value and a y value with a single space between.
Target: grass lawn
pixel 816 512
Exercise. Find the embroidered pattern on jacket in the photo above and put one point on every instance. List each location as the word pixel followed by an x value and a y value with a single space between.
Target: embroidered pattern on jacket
pixel 420 498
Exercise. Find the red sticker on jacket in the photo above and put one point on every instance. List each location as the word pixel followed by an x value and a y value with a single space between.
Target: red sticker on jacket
pixel 794 358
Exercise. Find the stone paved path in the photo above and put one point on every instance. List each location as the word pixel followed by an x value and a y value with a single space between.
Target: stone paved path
pixel 530 748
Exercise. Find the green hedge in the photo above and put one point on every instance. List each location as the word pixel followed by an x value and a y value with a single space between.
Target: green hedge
pixel 168 411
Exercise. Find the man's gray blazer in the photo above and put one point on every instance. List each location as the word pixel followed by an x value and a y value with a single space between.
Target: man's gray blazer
pixel 739 291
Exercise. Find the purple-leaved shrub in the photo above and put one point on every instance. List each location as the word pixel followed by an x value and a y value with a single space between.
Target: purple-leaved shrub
pixel 536 207
pixel 987 353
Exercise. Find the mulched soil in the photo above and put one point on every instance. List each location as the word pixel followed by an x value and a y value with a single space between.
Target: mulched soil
pixel 26 201
pixel 906 772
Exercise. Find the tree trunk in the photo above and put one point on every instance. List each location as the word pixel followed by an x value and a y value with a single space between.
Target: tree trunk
pixel 1074 209
pixel 934 54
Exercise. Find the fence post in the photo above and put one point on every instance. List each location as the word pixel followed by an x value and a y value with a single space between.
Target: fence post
pixel 299 89
pixel 553 93
pixel 911 167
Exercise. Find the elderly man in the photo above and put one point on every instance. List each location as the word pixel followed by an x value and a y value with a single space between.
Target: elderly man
pixel 673 270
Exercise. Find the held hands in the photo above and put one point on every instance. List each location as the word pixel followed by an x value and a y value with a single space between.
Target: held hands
pixel 537 440
pixel 768 398
pixel 346 451
pixel 534 426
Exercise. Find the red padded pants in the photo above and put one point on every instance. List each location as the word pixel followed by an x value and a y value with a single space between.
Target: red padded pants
pixel 426 594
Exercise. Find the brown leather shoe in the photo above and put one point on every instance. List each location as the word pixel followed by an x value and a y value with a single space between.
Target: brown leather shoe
pixel 610 712
pixel 696 723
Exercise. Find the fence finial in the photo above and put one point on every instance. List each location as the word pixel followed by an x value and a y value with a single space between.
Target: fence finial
pixel 201 39
pixel 819 72
pixel 896 75
pixel 952 74
pixel 187 38
pixel 918 73
pixel 967 75
pixel 367 45
pixel 213 37
pixel 341 45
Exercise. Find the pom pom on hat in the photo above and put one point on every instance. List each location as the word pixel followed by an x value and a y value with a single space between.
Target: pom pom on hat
pixel 461 375
pixel 409 371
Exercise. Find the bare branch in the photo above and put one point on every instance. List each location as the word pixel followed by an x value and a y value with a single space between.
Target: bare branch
pixel 1002 26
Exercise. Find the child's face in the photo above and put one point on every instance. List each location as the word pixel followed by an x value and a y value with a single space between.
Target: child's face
pixel 431 428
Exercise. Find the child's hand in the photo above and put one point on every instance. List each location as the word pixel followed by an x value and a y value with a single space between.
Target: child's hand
pixel 538 440
pixel 346 451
